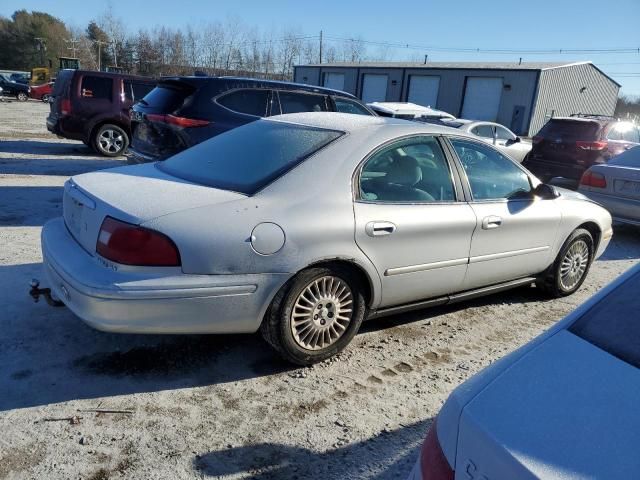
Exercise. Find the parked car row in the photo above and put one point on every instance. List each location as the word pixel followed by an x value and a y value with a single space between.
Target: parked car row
pixel 11 88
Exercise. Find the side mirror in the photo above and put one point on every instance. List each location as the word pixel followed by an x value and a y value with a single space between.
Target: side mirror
pixel 546 192
pixel 517 140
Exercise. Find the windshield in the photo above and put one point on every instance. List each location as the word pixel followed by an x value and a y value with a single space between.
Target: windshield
pixel 248 158
pixel 612 324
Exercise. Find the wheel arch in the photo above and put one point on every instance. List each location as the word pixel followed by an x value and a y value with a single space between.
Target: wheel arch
pixel 354 267
pixel 596 232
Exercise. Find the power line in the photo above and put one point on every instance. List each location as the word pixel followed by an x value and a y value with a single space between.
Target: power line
pixel 545 51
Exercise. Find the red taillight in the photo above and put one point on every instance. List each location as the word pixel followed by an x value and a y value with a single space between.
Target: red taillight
pixel 537 139
pixel 593 179
pixel 597 145
pixel 134 245
pixel 433 463
pixel 65 106
pixel 178 121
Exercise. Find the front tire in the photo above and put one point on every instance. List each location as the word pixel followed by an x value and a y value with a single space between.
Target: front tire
pixel 571 266
pixel 315 315
pixel 22 97
pixel 110 140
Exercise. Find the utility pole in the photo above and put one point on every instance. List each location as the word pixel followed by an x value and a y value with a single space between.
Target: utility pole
pixel 42 47
pixel 73 47
pixel 320 46
pixel 100 43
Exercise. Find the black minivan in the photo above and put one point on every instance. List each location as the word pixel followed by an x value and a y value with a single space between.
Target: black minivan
pixel 184 111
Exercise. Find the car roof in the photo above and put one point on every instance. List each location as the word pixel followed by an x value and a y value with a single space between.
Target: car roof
pixel 347 122
pixel 197 80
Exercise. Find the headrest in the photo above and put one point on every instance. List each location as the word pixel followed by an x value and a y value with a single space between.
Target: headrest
pixel 404 171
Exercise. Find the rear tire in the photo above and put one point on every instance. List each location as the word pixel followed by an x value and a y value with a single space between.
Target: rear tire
pixel 22 97
pixel 45 98
pixel 571 266
pixel 110 140
pixel 315 315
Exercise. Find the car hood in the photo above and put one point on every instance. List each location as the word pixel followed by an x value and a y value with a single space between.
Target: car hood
pixel 567 409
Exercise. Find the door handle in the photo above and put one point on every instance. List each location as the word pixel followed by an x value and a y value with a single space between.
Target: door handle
pixel 492 221
pixel 377 229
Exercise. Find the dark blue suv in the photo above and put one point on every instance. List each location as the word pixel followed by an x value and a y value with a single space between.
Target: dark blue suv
pixel 184 111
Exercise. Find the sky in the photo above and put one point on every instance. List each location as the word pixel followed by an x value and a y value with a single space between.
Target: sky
pixel 490 24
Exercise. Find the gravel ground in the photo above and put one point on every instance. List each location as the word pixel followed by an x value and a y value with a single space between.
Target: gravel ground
pixel 221 406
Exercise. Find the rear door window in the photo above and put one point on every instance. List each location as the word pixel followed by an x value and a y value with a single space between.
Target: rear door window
pixel 96 87
pixel 248 101
pixel 294 102
pixel 345 105
pixel 484 131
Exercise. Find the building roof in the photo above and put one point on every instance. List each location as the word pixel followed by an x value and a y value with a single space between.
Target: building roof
pixel 451 65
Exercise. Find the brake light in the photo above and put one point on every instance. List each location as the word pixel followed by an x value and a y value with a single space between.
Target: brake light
pixel 65 106
pixel 433 464
pixel 183 122
pixel 597 145
pixel 134 245
pixel 536 139
pixel 593 179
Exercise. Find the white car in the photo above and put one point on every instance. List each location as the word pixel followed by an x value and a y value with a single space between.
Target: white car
pixel 563 406
pixel 408 111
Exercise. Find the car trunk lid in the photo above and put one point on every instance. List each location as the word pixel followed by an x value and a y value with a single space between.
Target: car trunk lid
pixel 132 194
pixel 566 410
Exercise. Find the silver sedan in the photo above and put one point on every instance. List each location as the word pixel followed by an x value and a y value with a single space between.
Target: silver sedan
pixel 495 134
pixel 304 225
pixel 616 186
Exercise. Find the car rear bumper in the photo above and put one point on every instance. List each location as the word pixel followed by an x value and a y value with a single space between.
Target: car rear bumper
pixel 135 157
pixel 623 210
pixel 120 299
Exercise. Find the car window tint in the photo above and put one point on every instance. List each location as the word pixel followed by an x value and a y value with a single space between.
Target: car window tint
pixel 247 158
pixel 485 131
pixel 630 134
pixel 293 102
pixel 140 90
pixel 491 175
pixel 168 97
pixel 565 129
pixel 612 324
pixel 249 101
pixel 128 90
pixel 96 87
pixel 412 170
pixel 504 134
pixel 345 105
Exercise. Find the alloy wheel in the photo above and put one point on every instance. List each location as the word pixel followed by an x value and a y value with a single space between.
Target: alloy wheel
pixel 321 313
pixel 110 141
pixel 574 264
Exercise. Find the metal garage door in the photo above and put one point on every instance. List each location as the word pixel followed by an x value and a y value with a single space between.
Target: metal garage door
pixel 423 90
pixel 334 80
pixel 482 98
pixel 374 88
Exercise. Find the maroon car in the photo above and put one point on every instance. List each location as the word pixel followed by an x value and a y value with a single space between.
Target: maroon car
pixel 41 92
pixel 568 146
pixel 94 107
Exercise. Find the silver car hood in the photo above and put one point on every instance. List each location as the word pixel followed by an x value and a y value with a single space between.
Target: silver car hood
pixel 566 410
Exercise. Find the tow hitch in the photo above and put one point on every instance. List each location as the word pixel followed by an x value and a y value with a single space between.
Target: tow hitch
pixel 36 292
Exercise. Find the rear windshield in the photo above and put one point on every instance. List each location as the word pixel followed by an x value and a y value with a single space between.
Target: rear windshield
pixel 61 82
pixel 613 325
pixel 570 129
pixel 248 158
pixel 167 97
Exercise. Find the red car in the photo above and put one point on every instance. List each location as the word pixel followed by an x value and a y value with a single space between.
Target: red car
pixel 42 92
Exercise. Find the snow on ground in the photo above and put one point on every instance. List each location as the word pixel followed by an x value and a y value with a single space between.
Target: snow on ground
pixel 221 406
